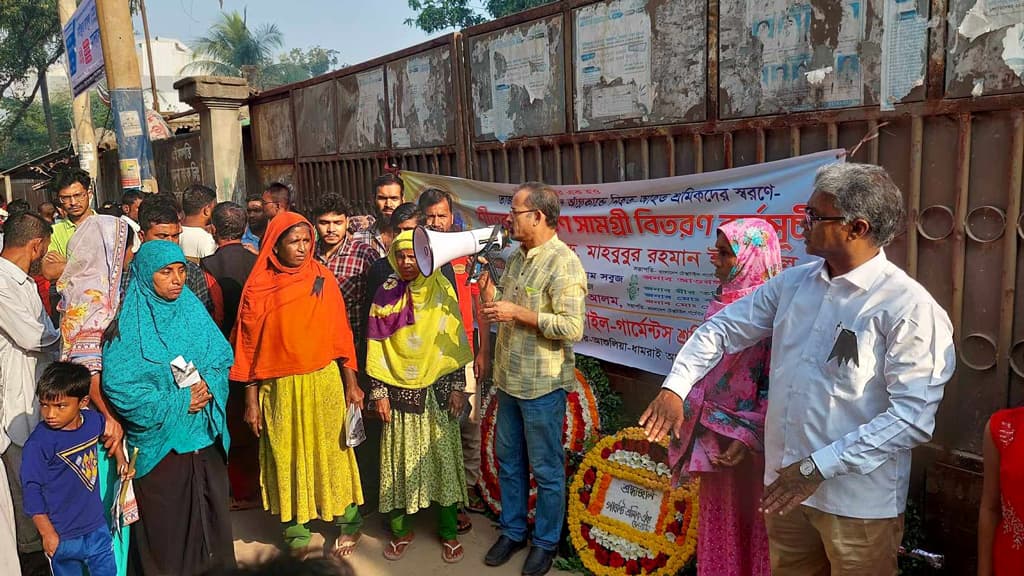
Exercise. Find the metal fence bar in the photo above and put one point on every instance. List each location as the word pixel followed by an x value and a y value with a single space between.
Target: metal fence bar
pixel 963 179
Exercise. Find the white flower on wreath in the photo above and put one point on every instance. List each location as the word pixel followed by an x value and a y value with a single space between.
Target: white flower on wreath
pixel 625 548
pixel 640 462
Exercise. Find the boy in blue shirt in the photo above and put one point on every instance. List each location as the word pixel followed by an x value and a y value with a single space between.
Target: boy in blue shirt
pixel 59 475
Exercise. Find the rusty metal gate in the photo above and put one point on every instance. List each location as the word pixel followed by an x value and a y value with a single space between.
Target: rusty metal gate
pixel 717 85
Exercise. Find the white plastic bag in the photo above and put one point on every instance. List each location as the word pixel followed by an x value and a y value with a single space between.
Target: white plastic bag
pixel 355 434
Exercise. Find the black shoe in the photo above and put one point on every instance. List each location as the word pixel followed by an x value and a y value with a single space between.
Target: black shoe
pixel 539 561
pixel 502 550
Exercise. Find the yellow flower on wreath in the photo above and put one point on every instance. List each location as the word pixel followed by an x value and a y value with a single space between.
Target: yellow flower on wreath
pixel 679 550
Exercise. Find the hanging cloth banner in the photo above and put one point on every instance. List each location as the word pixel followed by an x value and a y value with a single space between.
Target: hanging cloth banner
pixel 646 245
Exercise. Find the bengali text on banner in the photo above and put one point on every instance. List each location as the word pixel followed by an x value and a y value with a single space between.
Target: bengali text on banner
pixel 646 245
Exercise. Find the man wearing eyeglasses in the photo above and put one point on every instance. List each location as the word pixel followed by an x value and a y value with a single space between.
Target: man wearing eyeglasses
pixel 74 195
pixel 860 356
pixel 539 307
pixel 277 198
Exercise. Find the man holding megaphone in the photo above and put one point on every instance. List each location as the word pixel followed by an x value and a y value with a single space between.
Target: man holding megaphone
pixel 539 305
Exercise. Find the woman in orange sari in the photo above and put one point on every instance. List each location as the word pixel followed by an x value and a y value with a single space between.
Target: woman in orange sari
pixel 294 348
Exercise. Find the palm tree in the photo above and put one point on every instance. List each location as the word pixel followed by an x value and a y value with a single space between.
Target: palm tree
pixel 231 48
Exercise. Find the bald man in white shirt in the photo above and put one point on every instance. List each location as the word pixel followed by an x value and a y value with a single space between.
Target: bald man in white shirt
pixel 860 356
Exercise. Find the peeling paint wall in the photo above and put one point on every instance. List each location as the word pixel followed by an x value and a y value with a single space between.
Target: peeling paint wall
pixel 314 114
pixel 983 47
pixel 274 133
pixel 768 48
pixel 517 81
pixel 361 111
pixel 639 63
pixel 421 100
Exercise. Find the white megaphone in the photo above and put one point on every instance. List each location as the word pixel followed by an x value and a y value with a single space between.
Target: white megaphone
pixel 435 249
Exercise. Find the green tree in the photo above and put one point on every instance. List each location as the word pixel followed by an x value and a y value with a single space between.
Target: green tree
pixel 314 62
pixel 436 15
pixel 29 138
pixel 232 48
pixel 29 43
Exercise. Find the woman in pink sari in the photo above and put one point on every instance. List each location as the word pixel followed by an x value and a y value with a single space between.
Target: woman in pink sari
pixel 722 439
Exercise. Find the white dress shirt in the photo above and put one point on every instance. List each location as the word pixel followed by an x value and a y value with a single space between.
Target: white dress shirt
pixel 28 342
pixel 858 418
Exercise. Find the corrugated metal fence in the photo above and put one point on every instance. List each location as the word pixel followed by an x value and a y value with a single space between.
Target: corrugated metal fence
pixel 701 87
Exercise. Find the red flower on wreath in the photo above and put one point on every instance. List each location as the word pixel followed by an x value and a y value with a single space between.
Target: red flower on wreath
pixel 616 560
pixel 601 555
pixel 590 476
pixel 632 567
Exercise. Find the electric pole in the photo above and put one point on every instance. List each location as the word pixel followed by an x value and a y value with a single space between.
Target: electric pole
pixel 127 106
pixel 82 131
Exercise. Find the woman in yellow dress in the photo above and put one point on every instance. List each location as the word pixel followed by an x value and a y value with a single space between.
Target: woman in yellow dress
pixel 294 347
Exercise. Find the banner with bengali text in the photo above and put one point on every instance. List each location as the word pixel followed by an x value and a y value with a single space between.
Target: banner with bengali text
pixel 646 244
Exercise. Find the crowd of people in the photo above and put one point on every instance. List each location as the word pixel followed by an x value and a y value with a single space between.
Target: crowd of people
pixel 210 354
pixel 180 358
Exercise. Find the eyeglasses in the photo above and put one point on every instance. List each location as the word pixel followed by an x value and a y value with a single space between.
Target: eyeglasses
pixel 265 203
pixel 72 197
pixel 810 218
pixel 515 213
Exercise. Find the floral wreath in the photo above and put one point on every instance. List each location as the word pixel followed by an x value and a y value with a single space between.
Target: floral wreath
pixel 611 547
pixel 581 422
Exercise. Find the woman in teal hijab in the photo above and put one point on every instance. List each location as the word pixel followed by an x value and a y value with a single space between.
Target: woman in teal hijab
pixel 181 481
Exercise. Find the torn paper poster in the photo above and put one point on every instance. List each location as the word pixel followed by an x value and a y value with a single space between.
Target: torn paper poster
pixel 818 76
pixel 904 56
pixel 991 15
pixel 517 60
pixel 979 87
pixel 370 107
pixel 523 60
pixel 613 47
pixel 783 30
pixel 1013 49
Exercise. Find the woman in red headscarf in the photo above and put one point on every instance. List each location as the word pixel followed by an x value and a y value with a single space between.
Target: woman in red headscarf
pixel 294 347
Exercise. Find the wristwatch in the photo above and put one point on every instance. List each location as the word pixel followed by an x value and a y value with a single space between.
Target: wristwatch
pixel 807 467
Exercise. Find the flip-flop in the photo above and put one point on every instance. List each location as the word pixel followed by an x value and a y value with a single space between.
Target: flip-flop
pixel 463 524
pixel 452 553
pixel 345 546
pixel 396 548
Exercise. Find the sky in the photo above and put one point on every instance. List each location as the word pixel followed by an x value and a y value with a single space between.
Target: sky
pixel 359 29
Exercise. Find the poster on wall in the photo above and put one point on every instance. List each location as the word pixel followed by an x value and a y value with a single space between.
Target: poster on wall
pixel 646 245
pixel 83 48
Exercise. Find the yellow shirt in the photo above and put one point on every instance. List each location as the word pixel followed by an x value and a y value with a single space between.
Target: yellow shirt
pixel 62 233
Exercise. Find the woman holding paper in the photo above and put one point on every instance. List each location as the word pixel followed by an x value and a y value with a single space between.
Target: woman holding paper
pixel 90 290
pixel 723 435
pixel 416 354
pixel 294 347
pixel 181 481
